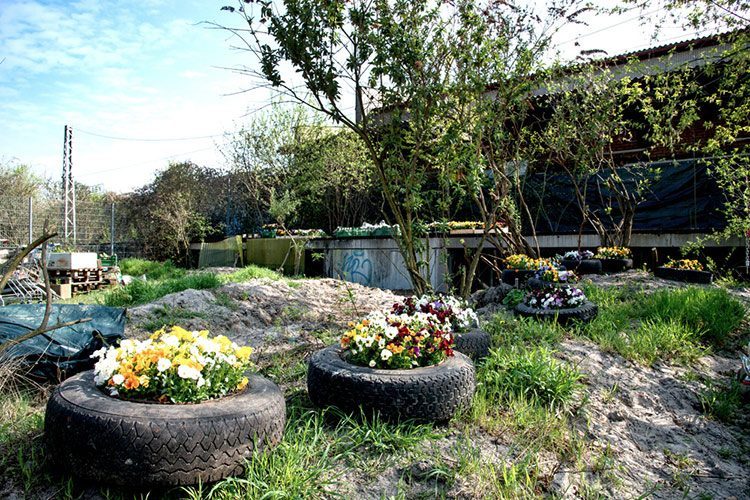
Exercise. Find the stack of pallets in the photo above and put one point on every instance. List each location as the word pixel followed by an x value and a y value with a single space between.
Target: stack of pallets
pixel 79 280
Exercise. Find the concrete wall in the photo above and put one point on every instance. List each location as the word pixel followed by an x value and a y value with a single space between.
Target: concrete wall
pixel 376 262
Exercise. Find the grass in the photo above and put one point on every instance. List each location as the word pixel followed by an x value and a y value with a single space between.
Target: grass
pixel 163 278
pixel 675 326
pixel 721 401
pixel 167 316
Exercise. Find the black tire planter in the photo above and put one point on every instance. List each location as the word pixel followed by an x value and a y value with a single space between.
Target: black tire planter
pixel 585 266
pixel 475 344
pixel 583 313
pixel 684 275
pixel 432 393
pixel 537 284
pixel 616 265
pixel 510 276
pixel 104 439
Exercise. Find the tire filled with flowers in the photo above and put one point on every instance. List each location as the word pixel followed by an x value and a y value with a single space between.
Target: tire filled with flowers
pixel 685 270
pixel 468 338
pixel 581 262
pixel 561 304
pixel 614 259
pixel 176 409
pixel 519 269
pixel 400 365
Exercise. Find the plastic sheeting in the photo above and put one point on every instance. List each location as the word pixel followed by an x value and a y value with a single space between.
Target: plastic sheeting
pixel 682 198
pixel 60 353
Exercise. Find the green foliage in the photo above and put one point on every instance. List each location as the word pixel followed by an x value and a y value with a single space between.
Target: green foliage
pixel 710 312
pixel 529 373
pixel 248 273
pixel 513 298
pixel 523 331
pixel 141 292
pixel 153 270
pixel 721 400
pixel 666 340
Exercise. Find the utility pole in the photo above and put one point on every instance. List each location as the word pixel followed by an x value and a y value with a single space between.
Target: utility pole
pixel 68 188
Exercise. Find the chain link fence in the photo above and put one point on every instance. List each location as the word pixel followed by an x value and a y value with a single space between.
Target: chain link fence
pixel 99 227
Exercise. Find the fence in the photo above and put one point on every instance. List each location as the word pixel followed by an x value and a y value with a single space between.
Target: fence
pixel 99 227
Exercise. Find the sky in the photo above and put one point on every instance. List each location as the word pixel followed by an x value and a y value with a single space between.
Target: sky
pixel 132 77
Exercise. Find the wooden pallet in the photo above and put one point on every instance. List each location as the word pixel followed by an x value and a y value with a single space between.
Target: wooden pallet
pixel 73 276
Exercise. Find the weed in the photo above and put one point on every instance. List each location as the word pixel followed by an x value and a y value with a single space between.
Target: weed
pixel 608 395
pixel 668 340
pixel 168 316
pixel 721 401
pixel 151 269
pixel 523 331
pixel 225 300
pixel 530 373
pixel 710 311
pixel 513 298
pixel 248 273
pixel 140 292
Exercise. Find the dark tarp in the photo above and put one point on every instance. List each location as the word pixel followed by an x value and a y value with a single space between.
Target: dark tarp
pixel 60 353
pixel 682 197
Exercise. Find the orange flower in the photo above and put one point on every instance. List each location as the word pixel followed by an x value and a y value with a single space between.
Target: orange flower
pixel 131 381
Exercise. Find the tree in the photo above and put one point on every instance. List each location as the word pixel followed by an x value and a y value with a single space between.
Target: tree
pixel 400 62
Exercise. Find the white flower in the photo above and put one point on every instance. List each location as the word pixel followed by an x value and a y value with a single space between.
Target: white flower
pixel 187 372
pixel 163 364
pixel 391 332
pixel 118 379
pixel 385 354
pixel 372 363
pixel 171 340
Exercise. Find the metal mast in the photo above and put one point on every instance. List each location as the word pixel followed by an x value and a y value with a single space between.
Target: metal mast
pixel 69 188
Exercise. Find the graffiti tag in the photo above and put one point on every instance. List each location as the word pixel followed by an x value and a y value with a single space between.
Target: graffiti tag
pixel 357 267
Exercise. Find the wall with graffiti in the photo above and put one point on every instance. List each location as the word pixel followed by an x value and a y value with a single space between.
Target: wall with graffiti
pixel 377 263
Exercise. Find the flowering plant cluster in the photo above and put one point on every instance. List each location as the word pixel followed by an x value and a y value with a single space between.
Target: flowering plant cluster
pixel 579 255
pixel 447 309
pixel 391 340
pixel 613 253
pixel 551 274
pixel 684 265
pixel 173 365
pixel 555 298
pixel 521 262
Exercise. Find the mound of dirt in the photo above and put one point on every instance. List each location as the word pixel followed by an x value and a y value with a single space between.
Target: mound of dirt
pixel 262 310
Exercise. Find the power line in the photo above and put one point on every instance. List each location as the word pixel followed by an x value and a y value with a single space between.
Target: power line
pixel 135 139
pixel 144 162
pixel 590 33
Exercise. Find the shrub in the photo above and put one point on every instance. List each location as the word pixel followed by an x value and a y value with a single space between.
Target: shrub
pixel 530 373
pixel 711 312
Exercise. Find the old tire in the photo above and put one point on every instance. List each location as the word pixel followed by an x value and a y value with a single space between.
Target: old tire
pixel 475 344
pixel 433 393
pixel 585 266
pixel 583 313
pixel 94 436
pixel 513 276
pixel 684 275
pixel 616 265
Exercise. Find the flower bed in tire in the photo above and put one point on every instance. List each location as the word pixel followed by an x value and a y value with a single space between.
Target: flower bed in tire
pixel 431 393
pixel 515 277
pixel 561 304
pixel 104 439
pixel 178 408
pixel 684 275
pixel 616 265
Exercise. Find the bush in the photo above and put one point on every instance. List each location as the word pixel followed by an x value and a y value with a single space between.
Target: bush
pixel 533 374
pixel 711 312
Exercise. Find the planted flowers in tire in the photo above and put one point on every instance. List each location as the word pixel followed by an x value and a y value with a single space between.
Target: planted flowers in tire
pixel 562 304
pixel 401 366
pixel 462 319
pixel 178 408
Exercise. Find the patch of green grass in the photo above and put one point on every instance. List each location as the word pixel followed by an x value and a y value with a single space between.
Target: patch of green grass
pixel 151 269
pixel 248 273
pixel 534 374
pixel 225 300
pixel 372 434
pixel 721 400
pixel 710 311
pixel 522 331
pixel 667 340
pixel 167 316
pixel 141 292
pixel 287 366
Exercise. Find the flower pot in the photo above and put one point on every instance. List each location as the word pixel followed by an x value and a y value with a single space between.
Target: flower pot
pixel 585 266
pixel 583 313
pixel 474 343
pixel 100 438
pixel 515 277
pixel 684 275
pixel 616 265
pixel 432 393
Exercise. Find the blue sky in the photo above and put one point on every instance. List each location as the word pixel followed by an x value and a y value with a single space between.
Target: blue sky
pixel 148 69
